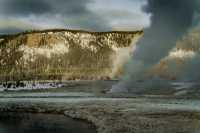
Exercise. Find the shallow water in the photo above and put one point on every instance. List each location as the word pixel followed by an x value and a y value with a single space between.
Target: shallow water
pixel 42 123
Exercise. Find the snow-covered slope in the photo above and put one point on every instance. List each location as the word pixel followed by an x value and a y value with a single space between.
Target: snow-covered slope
pixel 65 54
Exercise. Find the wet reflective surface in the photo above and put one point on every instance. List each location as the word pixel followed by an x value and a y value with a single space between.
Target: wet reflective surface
pixel 42 123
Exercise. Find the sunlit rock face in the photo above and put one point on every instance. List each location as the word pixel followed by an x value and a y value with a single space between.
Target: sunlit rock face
pixel 65 54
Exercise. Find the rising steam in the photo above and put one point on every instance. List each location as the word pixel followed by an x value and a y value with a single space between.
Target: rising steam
pixel 170 20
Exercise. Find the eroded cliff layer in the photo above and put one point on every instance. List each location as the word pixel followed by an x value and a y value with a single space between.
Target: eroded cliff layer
pixel 65 54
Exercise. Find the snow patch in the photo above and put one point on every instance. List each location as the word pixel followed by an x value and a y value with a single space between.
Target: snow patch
pixel 179 53
pixel 32 86
pixel 182 85
pixel 47 51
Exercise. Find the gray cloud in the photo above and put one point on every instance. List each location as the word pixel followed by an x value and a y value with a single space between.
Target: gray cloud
pixel 10 30
pixel 24 7
pixel 71 7
pixel 73 13
pixel 79 14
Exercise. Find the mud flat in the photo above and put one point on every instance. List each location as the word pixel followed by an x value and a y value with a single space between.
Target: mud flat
pixel 41 123
pixel 117 115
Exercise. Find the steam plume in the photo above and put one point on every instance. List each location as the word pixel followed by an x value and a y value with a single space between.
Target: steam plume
pixel 170 20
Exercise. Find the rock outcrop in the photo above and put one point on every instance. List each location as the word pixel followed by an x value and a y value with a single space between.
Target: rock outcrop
pixel 65 54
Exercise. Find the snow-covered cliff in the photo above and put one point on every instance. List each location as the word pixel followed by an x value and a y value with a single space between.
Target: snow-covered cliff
pixel 65 54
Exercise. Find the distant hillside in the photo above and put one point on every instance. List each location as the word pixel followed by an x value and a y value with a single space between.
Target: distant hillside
pixel 65 54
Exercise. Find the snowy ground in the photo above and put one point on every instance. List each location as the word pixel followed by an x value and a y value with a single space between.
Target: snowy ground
pixel 46 95
pixel 83 85
pixel 189 89
pixel 118 115
pixel 31 86
pixel 144 114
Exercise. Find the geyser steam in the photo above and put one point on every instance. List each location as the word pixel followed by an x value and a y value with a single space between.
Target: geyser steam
pixel 170 20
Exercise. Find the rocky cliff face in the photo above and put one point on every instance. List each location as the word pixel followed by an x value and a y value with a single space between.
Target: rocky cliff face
pixel 65 54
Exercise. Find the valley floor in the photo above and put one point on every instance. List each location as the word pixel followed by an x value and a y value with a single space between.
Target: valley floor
pixel 112 115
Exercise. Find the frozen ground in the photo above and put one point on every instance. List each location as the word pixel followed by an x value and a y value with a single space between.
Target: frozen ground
pixel 46 86
pixel 45 95
pixel 118 115
pixel 177 89
pixel 31 86
pixel 144 114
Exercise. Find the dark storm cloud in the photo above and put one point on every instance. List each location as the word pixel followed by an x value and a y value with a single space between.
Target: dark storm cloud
pixel 72 12
pixel 76 7
pixel 10 30
pixel 24 7
pixel 96 15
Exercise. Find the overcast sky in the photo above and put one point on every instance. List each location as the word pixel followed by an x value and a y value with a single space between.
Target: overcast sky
pixel 95 15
